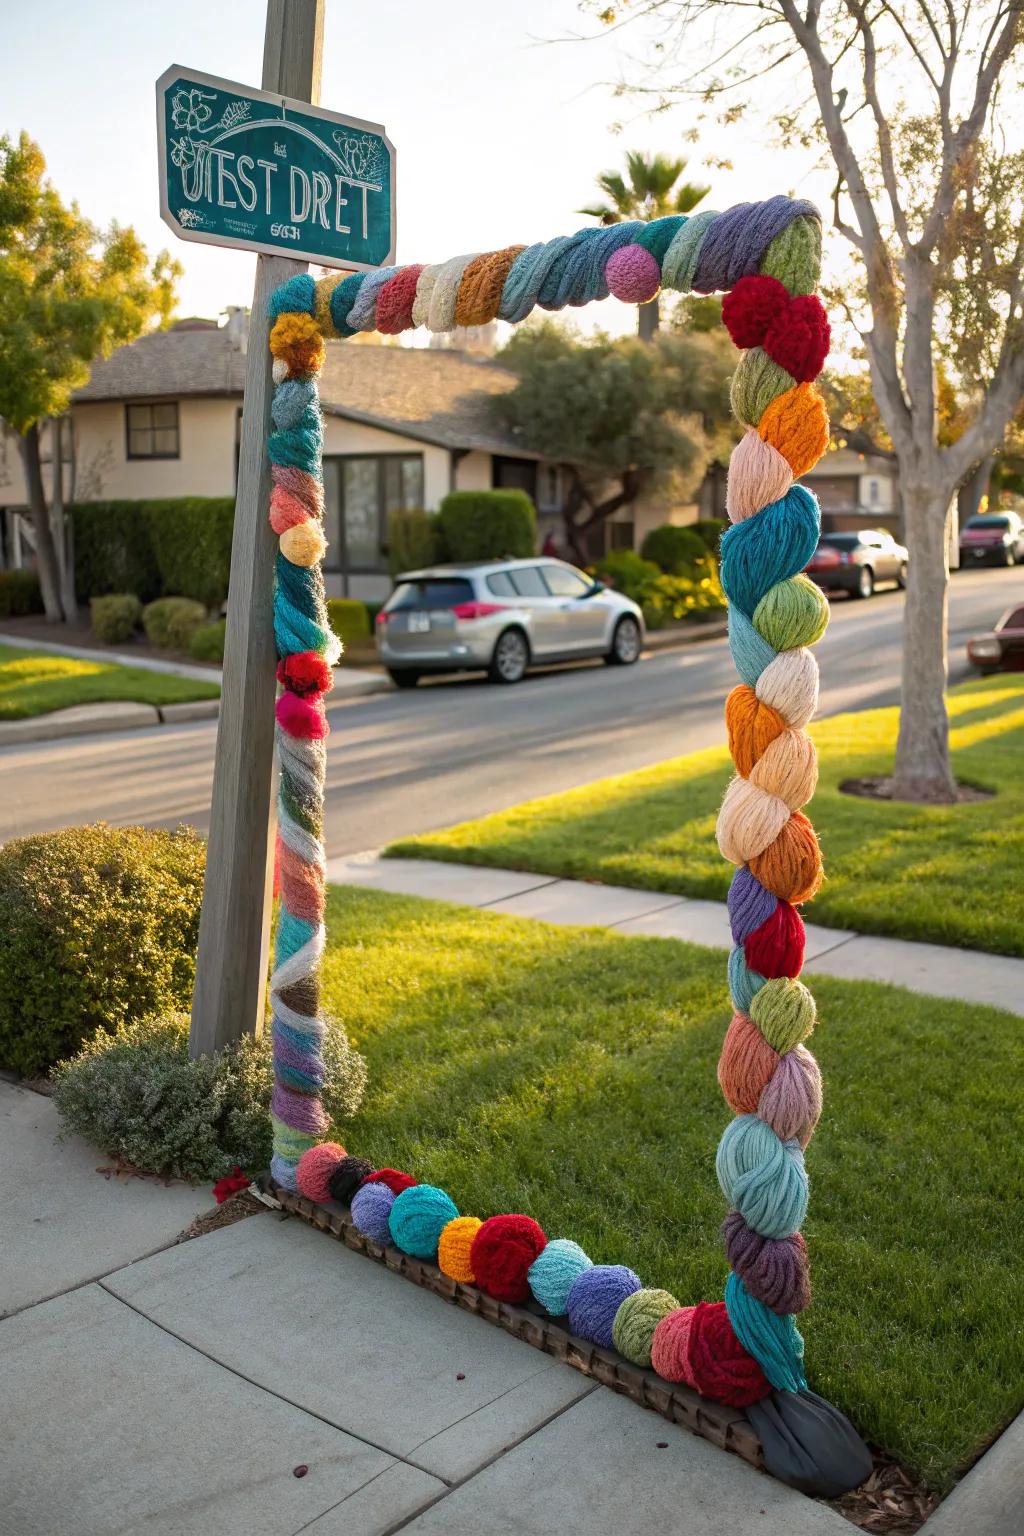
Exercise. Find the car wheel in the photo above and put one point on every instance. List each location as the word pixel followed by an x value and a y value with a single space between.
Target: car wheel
pixel 511 658
pixel 404 677
pixel 627 643
pixel 865 582
pixel 901 577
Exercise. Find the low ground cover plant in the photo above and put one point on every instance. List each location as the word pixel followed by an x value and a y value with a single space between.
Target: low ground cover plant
pixel 136 1094
pixel 948 874
pixel 570 1074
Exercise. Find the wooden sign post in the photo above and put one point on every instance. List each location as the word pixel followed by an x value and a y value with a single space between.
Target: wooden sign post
pixel 234 930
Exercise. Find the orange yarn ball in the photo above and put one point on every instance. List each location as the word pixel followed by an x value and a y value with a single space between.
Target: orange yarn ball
pixel 790 867
pixel 745 1066
pixel 752 727
pixel 796 424
pixel 296 340
pixel 454 1247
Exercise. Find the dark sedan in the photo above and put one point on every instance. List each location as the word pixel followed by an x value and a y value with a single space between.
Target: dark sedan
pixel 857 562
pixel 995 538
pixel 1002 650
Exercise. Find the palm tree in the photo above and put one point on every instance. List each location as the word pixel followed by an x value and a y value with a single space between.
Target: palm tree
pixel 649 190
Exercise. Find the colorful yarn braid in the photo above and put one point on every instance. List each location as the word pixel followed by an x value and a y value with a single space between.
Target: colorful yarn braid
pixel 766 257
pixel 306 649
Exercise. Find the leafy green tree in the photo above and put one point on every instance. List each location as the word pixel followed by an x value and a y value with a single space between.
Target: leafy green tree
pixel 650 189
pixel 69 294
pixel 621 417
pixel 912 99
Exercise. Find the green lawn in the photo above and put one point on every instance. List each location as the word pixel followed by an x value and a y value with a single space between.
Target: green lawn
pixel 36 683
pixel 946 874
pixel 570 1073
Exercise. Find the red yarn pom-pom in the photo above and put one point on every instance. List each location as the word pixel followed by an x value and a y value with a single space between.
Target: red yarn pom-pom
pixel 304 673
pixel 798 338
pixel 394 1178
pixel 719 1366
pixel 301 717
pixel 502 1252
pixel 777 947
pixel 751 307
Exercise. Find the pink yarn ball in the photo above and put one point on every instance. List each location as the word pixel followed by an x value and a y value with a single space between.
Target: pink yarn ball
pixel 670 1344
pixel 633 274
pixel 313 1175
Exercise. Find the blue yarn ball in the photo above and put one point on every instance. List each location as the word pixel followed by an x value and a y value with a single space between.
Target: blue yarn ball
pixel 596 1296
pixel 418 1217
pixel 295 297
pixel 769 547
pixel 744 984
pixel 552 1275
pixel 371 1208
pixel 775 1342
pixel 762 1177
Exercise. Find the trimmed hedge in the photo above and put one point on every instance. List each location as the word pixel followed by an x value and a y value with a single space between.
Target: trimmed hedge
pixel 350 620
pixel 171 622
pixel 98 927
pixel 207 643
pixel 179 545
pixel 487 525
pixel 19 594
pixel 114 617
pixel 413 539
pixel 676 551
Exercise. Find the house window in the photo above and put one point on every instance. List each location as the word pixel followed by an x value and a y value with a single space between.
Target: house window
pixel 360 493
pixel 153 430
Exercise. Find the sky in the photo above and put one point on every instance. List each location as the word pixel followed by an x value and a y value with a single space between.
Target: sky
pixel 499 134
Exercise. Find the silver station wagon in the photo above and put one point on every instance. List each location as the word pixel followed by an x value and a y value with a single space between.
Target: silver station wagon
pixel 502 617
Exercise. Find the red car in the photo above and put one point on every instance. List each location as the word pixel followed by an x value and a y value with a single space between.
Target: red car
pixel 992 538
pixel 1002 650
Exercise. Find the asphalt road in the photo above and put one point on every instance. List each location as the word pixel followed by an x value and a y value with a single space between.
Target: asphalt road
pixel 408 762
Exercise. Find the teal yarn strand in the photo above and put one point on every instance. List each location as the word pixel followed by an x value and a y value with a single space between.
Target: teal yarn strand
pixel 342 299
pixel 775 1342
pixel 769 547
pixel 751 653
pixel 744 984
pixel 300 447
pixel 658 235
pixel 762 1177
pixel 296 296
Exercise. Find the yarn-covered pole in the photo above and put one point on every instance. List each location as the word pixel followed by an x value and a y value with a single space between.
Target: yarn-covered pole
pixel 306 649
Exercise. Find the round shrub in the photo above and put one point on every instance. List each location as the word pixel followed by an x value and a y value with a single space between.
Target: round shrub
pixel 710 529
pixel 114 618
pixel 207 642
pixel 135 1094
pixel 676 551
pixel 98 926
pixel 487 525
pixel 628 573
pixel 170 622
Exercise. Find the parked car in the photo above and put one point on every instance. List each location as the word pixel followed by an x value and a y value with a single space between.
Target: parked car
pixel 992 536
pixel 1002 649
pixel 502 616
pixel 857 562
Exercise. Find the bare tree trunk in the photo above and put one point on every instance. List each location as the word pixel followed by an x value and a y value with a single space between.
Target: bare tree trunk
pixel 60 522
pixel 922 769
pixel 46 553
pixel 648 319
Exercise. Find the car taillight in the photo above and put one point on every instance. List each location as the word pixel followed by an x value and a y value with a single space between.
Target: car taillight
pixel 382 618
pixel 477 610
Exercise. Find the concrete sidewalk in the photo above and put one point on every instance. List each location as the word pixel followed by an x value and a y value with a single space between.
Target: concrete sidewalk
pixel 963 974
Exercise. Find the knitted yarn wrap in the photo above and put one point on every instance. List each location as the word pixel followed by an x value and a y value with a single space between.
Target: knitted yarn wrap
pixel 765 258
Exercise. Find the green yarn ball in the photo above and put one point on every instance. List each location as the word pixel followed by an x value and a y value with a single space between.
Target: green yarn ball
pixel 755 384
pixel 792 613
pixel 784 1012
pixel 794 256
pixel 635 1322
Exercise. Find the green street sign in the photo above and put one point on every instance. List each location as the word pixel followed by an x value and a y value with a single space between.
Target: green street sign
pixel 262 172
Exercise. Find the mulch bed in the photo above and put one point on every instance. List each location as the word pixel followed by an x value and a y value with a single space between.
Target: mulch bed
pixel 881 789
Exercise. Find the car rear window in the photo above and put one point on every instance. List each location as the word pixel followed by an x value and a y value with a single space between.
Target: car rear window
pixel 988 520
pixel 840 540
pixel 500 584
pixel 1014 620
pixel 431 592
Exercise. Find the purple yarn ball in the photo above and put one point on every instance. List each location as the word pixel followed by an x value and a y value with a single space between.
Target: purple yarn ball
pixel 371 1207
pixel 595 1298
pixel 633 274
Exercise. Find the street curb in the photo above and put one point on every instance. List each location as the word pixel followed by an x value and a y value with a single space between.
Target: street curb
pixel 675 639
pixel 79 720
